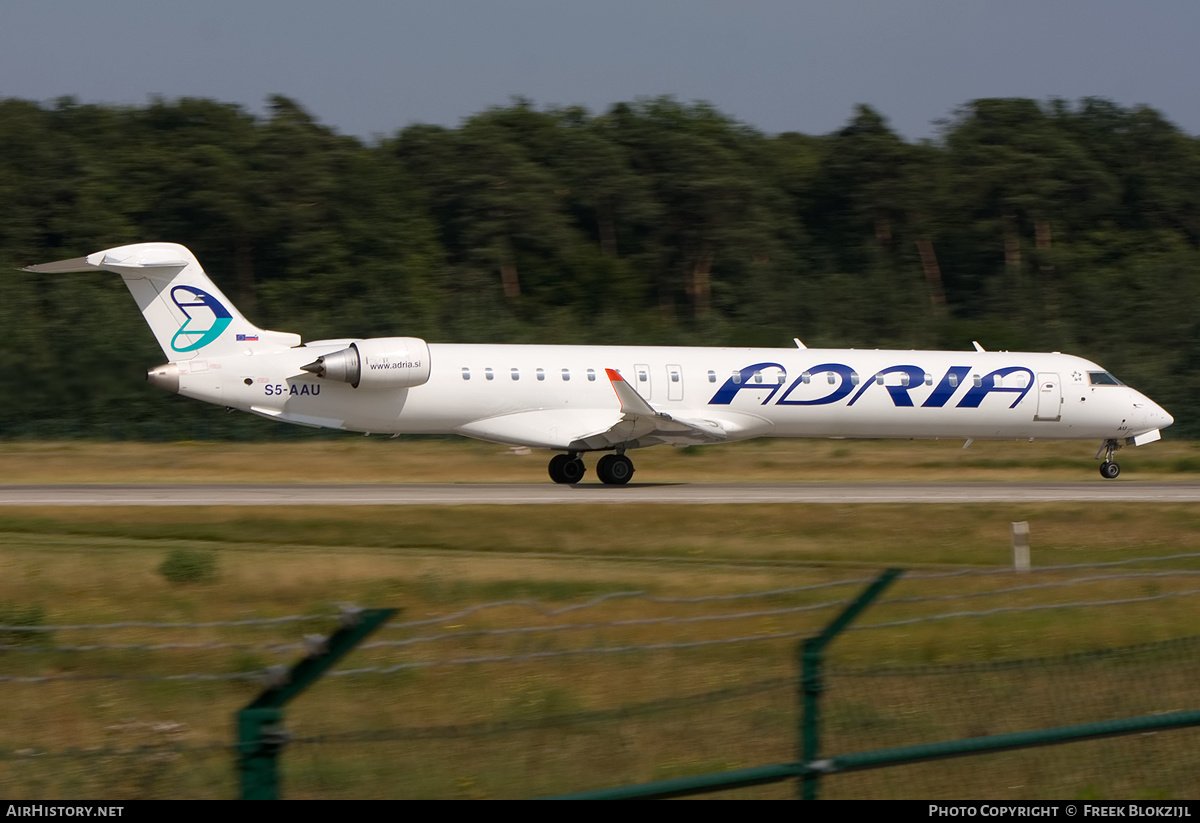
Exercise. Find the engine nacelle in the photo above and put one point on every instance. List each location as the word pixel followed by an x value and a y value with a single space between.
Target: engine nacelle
pixel 377 363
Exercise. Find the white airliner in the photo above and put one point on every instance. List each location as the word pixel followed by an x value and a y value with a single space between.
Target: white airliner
pixel 576 399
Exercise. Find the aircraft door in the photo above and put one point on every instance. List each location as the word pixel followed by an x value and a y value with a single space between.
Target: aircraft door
pixel 641 380
pixel 674 383
pixel 1049 402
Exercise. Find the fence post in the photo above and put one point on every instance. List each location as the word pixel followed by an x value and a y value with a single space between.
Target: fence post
pixel 811 653
pixel 260 725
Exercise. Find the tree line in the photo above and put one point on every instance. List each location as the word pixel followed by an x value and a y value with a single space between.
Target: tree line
pixel 1026 225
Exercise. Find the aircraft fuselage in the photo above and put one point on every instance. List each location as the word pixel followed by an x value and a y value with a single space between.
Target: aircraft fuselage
pixel 753 392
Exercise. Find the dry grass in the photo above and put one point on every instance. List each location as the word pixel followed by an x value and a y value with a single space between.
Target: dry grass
pixel 379 460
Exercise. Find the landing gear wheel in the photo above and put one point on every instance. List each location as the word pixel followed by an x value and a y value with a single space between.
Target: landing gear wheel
pixel 1109 469
pixel 566 468
pixel 614 469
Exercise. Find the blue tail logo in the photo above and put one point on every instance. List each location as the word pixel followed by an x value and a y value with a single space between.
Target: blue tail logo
pixel 206 318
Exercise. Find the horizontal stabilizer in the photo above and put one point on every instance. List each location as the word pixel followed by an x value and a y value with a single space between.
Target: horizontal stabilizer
pixel 62 266
pixel 127 258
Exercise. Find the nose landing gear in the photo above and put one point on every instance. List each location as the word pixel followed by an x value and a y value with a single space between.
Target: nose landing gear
pixel 1109 469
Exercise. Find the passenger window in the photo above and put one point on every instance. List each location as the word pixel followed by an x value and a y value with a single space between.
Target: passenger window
pixel 592 375
pixel 541 374
pixel 674 377
pixel 566 375
pixel 805 378
pixel 978 380
pixel 928 379
pixel 878 379
pixel 903 379
pixel 487 374
pixel 758 377
pixel 466 373
pixel 737 377
pixel 953 381
pixel 712 376
pixel 853 378
pixel 832 378
pixel 643 377
pixel 516 374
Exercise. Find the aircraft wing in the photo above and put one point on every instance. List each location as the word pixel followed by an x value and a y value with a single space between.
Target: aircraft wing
pixel 641 424
pixel 634 425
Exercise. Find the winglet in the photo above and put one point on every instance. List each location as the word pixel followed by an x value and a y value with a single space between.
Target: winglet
pixel 631 401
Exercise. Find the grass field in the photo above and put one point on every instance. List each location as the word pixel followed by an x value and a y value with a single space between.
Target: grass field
pixel 381 460
pixel 566 722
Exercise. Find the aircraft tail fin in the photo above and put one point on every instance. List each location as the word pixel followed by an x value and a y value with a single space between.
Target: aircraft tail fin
pixel 188 314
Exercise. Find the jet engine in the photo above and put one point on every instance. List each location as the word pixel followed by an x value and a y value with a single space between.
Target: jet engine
pixel 377 363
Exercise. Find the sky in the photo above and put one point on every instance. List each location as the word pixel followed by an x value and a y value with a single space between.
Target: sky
pixel 371 67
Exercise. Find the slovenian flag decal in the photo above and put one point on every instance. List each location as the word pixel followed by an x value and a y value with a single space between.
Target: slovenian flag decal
pixel 247 337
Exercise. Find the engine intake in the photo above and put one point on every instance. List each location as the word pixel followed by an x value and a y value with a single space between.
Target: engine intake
pixel 377 363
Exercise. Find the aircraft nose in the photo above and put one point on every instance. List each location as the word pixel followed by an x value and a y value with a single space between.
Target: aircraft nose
pixel 1157 416
pixel 1168 419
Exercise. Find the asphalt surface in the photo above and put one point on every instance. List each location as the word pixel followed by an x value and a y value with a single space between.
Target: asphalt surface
pixel 510 494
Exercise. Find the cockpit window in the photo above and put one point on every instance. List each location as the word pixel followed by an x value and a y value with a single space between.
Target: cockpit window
pixel 1103 378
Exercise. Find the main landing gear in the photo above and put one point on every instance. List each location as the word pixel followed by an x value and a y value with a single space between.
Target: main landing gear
pixel 612 469
pixel 566 468
pixel 1109 469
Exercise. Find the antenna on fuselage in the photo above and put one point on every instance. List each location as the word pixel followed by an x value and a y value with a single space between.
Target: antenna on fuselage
pixel 799 345
pixel 977 346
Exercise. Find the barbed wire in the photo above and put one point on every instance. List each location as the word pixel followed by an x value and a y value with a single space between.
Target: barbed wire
pixel 597 650
pixel 280 648
pixel 146 678
pixel 1007 570
pixel 1070 658
pixel 614 624
pixel 537 606
pixel 1005 609
pixel 1034 586
pixel 604 650
pixel 140 624
pixel 30 753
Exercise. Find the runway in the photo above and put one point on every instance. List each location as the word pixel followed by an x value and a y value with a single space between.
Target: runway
pixel 513 494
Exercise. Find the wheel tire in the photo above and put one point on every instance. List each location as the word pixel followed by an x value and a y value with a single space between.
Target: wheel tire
pixel 572 470
pixel 1109 470
pixel 614 469
pixel 557 473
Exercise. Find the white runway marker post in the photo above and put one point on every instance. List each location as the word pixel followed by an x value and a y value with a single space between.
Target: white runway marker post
pixel 1020 545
